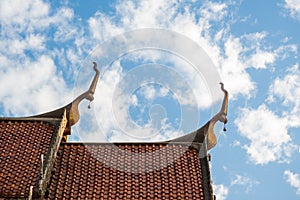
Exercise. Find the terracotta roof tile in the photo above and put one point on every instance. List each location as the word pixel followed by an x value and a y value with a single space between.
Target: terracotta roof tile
pixel 126 171
pixel 21 146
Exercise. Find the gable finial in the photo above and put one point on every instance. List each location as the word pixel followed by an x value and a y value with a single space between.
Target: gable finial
pixel 89 95
pixel 206 134
pixel 220 116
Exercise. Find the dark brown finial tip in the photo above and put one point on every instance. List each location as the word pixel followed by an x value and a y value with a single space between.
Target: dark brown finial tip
pixel 95 68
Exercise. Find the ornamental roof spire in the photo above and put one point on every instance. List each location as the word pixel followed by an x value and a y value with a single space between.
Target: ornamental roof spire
pixel 206 133
pixel 89 95
pixel 71 109
pixel 220 116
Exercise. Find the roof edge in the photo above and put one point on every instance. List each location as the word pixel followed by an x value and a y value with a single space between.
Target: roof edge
pixel 48 163
pixel 206 178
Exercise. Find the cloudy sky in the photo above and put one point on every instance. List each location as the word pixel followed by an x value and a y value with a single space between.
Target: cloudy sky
pixel 160 64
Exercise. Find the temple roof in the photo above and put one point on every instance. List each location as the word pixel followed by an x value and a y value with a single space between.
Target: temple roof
pixel 129 171
pixel 161 170
pixel 37 162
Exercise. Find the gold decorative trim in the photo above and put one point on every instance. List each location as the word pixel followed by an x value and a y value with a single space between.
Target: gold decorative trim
pixel 220 116
pixel 89 95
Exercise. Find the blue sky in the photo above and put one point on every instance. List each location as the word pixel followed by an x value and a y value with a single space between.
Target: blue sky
pixel 46 54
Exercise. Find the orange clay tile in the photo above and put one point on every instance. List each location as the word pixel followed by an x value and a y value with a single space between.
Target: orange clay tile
pixel 21 146
pixel 126 171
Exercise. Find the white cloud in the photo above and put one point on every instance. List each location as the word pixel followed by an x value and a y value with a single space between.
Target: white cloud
pixel 183 19
pixel 261 58
pixel 134 100
pixel 32 87
pixel 34 15
pixel 244 181
pixel 26 25
pixel 102 27
pixel 241 54
pixel 145 14
pixel 221 191
pixel 293 179
pixel 149 92
pixel 16 46
pixel 268 143
pixel 213 11
pixel 65 29
pixel 286 51
pixel 234 70
pixel 20 12
pixel 28 64
pixel 293 6
pixel 287 91
pixel 236 143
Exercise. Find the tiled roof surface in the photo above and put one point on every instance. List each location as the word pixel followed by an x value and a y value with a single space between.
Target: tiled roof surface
pixel 21 146
pixel 126 171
